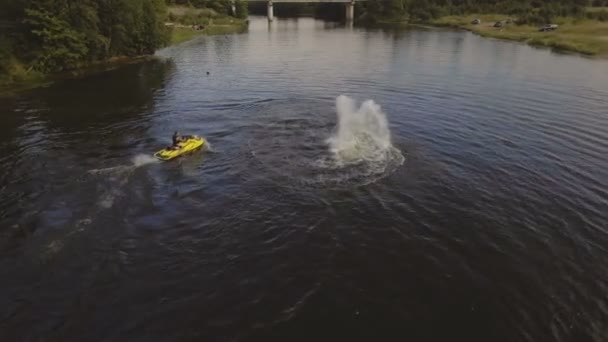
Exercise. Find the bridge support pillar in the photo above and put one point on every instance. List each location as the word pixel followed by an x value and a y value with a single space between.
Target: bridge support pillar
pixel 270 11
pixel 350 11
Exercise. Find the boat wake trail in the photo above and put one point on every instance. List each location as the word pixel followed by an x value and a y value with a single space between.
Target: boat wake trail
pixel 115 178
pixel 110 184
pixel 143 159
pixel 137 161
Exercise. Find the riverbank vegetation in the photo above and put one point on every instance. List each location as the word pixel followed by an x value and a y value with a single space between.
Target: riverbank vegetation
pixel 41 37
pixel 182 34
pixel 535 12
pixel 207 8
pixel 584 36
pixel 189 22
pixel 583 24
pixel 47 36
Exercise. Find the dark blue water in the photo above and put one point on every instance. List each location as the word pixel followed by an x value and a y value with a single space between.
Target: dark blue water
pixel 482 216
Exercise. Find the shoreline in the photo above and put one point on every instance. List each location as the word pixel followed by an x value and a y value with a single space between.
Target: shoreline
pixel 181 34
pixel 584 37
pixel 36 80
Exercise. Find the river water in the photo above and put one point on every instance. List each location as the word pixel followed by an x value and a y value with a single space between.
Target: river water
pixel 467 201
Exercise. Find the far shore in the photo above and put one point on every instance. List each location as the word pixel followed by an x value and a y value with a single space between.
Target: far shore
pixel 187 23
pixel 584 36
pixel 182 33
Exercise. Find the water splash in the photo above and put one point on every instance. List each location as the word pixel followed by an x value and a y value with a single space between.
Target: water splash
pixel 297 148
pixel 143 159
pixel 209 148
pixel 136 161
pixel 361 134
pixel 115 178
pixel 361 144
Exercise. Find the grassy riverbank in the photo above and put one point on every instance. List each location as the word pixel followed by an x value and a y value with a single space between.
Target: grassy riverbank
pixel 182 34
pixel 189 22
pixel 583 36
pixel 13 71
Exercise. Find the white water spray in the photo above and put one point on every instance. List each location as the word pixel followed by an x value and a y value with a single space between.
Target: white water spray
pixel 136 161
pixel 143 159
pixel 362 134
pixel 117 177
pixel 298 148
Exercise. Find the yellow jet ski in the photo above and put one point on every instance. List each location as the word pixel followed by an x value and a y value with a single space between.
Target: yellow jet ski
pixel 190 144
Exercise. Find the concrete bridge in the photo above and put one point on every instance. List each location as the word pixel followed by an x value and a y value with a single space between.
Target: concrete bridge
pixel 350 6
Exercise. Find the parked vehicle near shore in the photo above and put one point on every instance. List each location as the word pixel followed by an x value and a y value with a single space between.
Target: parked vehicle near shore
pixel 548 27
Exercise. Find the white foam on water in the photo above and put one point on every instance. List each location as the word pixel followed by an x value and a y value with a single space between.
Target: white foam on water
pixel 136 161
pixel 209 148
pixel 116 178
pixel 143 159
pixel 362 133
pixel 361 143
pixel 109 170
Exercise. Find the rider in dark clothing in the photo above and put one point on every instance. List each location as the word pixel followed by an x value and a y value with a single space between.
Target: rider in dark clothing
pixel 176 139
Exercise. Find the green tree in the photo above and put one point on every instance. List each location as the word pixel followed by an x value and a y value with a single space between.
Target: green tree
pixel 241 9
pixel 83 17
pixel 60 46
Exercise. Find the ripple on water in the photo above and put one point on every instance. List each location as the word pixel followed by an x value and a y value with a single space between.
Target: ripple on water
pixel 493 228
pixel 294 144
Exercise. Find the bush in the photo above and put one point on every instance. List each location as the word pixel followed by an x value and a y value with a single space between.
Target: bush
pixel 207 12
pixel 194 18
pixel 5 56
pixel 598 15
pixel 241 9
pixel 223 21
pixel 532 19
pixel 437 12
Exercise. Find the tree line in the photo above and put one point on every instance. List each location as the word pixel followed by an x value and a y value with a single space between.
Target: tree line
pixel 45 36
pixel 372 11
pixel 527 11
pixel 57 35
pixel 221 7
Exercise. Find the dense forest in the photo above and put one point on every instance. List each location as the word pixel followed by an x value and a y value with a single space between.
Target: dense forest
pixel 45 36
pixel 55 35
